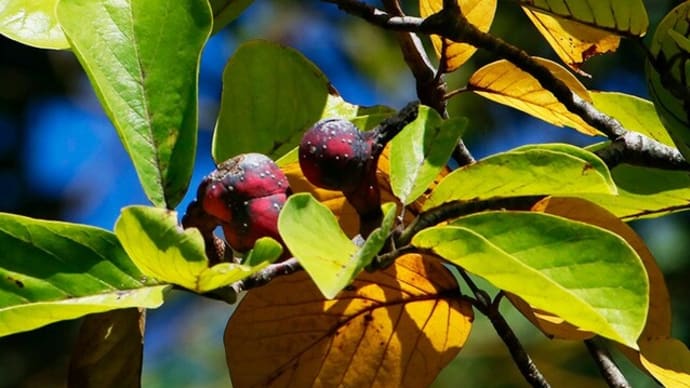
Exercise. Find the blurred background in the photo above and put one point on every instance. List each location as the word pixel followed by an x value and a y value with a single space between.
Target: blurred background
pixel 60 158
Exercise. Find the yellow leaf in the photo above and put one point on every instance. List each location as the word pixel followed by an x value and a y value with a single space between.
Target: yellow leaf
pixel 624 17
pixel 505 83
pixel 398 327
pixel 668 360
pixel 659 315
pixel 573 42
pixel 478 12
pixel 549 324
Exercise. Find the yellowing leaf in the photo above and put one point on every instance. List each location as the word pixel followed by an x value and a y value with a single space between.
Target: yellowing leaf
pixel 505 83
pixel 668 360
pixel 478 12
pixel 551 325
pixel 659 314
pixel 624 17
pixel 573 42
pixel 397 327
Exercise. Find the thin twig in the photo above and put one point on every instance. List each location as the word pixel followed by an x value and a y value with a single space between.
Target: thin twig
pixel 523 361
pixel 453 25
pixel 608 368
pixel 267 274
pixel 455 209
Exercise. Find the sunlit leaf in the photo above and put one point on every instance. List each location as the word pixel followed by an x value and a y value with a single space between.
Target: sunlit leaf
pixel 624 17
pixel 573 42
pixel 53 271
pixel 420 151
pixel 668 79
pixel 271 95
pixel 478 12
pixel 108 351
pixel 32 22
pixel 322 248
pixel 533 171
pixel 668 360
pixel 396 327
pixel 645 192
pixel 659 316
pixel 225 11
pixel 505 83
pixel 163 250
pixel 634 113
pixel 145 73
pixel 586 275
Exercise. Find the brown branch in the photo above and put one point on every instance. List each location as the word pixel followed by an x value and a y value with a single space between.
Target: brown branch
pixel 524 362
pixel 636 149
pixel 455 209
pixel 608 368
pixel 430 84
pixel 451 24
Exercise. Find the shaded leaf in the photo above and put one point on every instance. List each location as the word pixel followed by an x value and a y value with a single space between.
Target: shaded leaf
pixel 420 151
pixel 396 327
pixel 53 271
pixel 634 113
pixel 659 316
pixel 163 250
pixel 478 12
pixel 550 324
pixel 271 95
pixel 145 74
pixel 668 360
pixel 32 22
pixel 225 11
pixel 536 170
pixel 624 17
pixel 573 42
pixel 505 83
pixel 586 275
pixel 108 351
pixel 667 80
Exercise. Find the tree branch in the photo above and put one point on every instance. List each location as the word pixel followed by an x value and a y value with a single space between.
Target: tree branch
pixel 523 361
pixel 635 149
pixel 451 24
pixel 267 274
pixel 609 370
pixel 455 209
pixel 430 84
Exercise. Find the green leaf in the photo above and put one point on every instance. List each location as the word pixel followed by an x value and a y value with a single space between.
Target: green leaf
pixel 551 169
pixel 635 113
pixel 645 193
pixel 624 17
pixel 667 79
pixel 320 245
pixel 32 22
pixel 165 251
pixel 364 117
pixel 142 57
pixel 53 271
pixel 420 151
pixel 271 95
pixel 225 11
pixel 373 244
pixel 586 275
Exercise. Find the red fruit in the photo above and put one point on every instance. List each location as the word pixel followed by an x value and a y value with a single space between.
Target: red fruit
pixel 334 155
pixel 245 194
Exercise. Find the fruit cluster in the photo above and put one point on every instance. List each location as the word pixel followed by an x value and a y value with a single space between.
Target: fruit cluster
pixel 244 195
